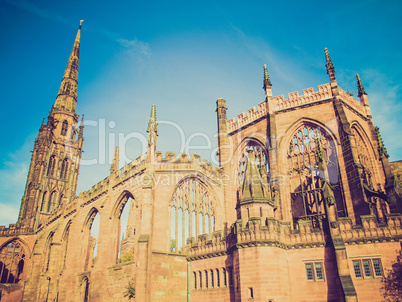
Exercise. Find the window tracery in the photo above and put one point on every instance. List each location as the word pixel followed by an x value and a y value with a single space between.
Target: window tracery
pixel 12 261
pixel 64 128
pixel 64 169
pixel 192 213
pixel 307 177
pixel 51 166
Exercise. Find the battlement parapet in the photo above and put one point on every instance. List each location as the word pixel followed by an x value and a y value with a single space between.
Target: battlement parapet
pixel 294 99
pixel 279 103
pixel 352 102
pixel 14 230
pixel 371 229
pixel 247 118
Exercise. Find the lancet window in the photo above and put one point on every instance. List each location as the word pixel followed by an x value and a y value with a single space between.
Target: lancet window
pixel 51 166
pixel 261 158
pixel 48 252
pixel 44 205
pixel 363 158
pixel 64 169
pixel 308 173
pixel 126 231
pixel 64 128
pixel 12 261
pixel 52 202
pixel 192 213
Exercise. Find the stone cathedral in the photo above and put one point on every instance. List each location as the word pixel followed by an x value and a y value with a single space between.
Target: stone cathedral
pixel 304 206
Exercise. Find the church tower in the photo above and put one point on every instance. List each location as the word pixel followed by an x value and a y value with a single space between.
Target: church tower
pixel 53 173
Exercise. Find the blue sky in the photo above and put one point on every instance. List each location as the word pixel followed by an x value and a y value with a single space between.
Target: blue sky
pixel 182 56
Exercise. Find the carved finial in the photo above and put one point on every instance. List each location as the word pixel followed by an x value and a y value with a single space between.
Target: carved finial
pixel 360 86
pixel 381 148
pixel 115 163
pixel 152 128
pixel 81 131
pixel 329 65
pixel 267 80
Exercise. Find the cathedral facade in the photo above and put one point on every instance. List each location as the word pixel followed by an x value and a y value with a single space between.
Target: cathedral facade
pixel 304 206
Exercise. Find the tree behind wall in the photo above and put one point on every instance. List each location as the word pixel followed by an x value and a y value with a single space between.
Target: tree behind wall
pixel 392 283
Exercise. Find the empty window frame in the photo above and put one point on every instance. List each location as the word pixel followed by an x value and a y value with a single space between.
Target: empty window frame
pixel 315 271
pixel 367 268
pixel 225 282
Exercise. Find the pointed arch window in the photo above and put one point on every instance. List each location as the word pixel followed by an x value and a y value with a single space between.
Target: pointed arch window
pixel 308 144
pixel 51 166
pixel 126 234
pixel 12 262
pixel 192 213
pixel 52 202
pixel 92 235
pixel 64 169
pixel 44 205
pixel 48 252
pixel 64 128
pixel 65 244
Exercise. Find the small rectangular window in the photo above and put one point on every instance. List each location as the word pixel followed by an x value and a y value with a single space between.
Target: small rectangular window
pixel 318 271
pixel 225 283
pixel 250 293
pixel 218 281
pixel 206 279
pixel 356 266
pixel 367 268
pixel 377 267
pixel 195 280
pixel 309 271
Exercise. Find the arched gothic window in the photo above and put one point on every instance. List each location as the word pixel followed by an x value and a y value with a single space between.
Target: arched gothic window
pixel 92 229
pixel 51 166
pixel 192 213
pixel 364 158
pixel 12 261
pixel 64 128
pixel 65 244
pixel 64 169
pixel 85 289
pixel 47 252
pixel 126 240
pixel 261 158
pixel 44 204
pixel 52 202
pixel 306 178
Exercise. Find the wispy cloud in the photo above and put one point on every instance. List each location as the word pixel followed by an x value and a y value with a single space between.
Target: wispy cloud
pixel 135 46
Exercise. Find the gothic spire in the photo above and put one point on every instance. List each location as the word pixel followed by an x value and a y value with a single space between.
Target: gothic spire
pixel 360 86
pixel 67 97
pixel 152 128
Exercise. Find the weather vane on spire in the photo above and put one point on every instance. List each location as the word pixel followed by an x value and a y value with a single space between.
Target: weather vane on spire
pixel 81 22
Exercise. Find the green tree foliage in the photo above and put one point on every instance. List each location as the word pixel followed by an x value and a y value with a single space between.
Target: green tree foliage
pixel 392 283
